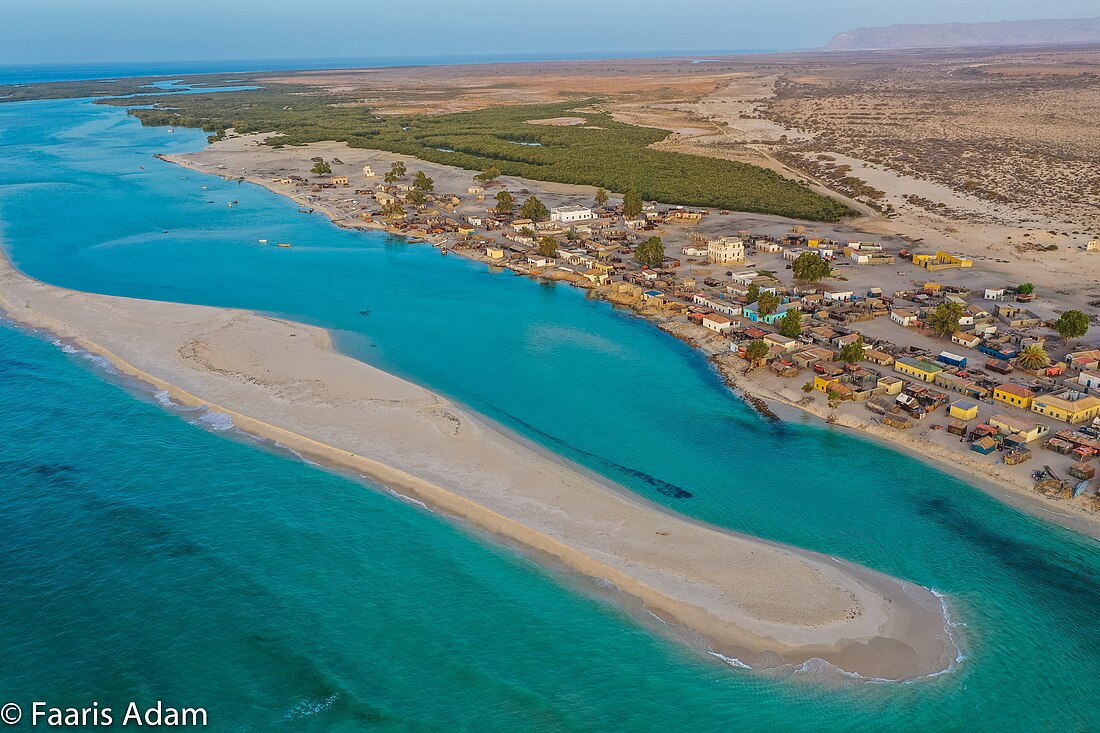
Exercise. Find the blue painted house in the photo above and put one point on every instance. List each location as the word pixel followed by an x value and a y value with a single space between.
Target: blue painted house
pixel 752 312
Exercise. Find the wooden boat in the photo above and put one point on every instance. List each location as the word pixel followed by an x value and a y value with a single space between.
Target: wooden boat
pixel 284 244
pixel 1080 488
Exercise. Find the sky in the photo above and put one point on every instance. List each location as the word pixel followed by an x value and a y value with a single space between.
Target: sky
pixel 104 31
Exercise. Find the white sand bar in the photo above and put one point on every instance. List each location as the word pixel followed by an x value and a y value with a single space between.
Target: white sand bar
pixel 763 603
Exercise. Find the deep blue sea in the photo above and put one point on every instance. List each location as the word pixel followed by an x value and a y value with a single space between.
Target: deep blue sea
pixel 148 554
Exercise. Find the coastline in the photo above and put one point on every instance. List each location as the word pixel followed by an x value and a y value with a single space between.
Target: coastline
pixel 756 388
pixel 755 601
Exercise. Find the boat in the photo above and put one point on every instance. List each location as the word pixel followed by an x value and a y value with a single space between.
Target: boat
pixel 263 241
pixel 231 204
pixel 284 244
pixel 1080 488
pixel 171 129
pixel 443 251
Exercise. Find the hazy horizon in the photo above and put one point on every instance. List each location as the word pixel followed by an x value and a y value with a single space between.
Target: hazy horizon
pixel 134 31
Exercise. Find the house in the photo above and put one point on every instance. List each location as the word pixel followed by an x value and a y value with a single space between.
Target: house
pixel 985 446
pixel 969 339
pixel 1027 430
pixel 340 181
pixel 1080 361
pixel 1013 394
pixel 763 246
pixel 903 317
pixel 994 293
pixel 1089 379
pixel 839 296
pixel 807 356
pixel 475 190
pixel 878 357
pixel 921 369
pixel 694 251
pixel 653 297
pixel 725 250
pixel 717 304
pixel 783 342
pixel 1071 406
pixel 571 213
pixel 597 276
pixel 1093 245
pixel 717 323
pixel 1015 317
pixel 368 172
pixel 495 252
pixel 540 260
pixel 752 312
pixel 962 385
pixel 942 261
pixel 963 410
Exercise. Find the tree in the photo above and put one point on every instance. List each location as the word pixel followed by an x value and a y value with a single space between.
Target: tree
pixel 753 294
pixel 767 303
pixel 416 197
pixel 790 325
pixel 393 210
pixel 1033 357
pixel 1025 288
pixel 810 267
pixel 527 232
pixel 632 204
pixel 487 175
pixel 808 387
pixel 651 252
pixel 945 319
pixel 321 168
pixel 505 202
pixel 533 209
pixel 397 171
pixel 756 351
pixel 601 197
pixel 548 247
pixel 852 353
pixel 421 182
pixel 1072 325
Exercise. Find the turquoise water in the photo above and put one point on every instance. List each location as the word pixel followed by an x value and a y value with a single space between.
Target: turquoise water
pixel 242 580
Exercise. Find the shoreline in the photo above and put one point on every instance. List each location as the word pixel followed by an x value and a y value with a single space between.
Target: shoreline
pixel 857 620
pixel 1015 489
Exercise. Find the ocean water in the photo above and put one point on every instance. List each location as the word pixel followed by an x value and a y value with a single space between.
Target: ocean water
pixel 227 575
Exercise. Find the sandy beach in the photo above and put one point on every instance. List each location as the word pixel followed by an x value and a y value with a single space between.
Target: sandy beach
pixel 759 602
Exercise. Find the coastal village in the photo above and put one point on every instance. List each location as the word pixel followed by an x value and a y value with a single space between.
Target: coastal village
pixel 897 338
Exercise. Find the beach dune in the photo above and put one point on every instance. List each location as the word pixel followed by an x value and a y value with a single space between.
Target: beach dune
pixel 757 601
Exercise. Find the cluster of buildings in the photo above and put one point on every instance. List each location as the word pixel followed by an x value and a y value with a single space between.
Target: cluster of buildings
pixel 727 285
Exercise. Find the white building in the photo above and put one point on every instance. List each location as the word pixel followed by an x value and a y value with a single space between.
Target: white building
pixel 902 317
pixel 368 172
pixel 717 323
pixel 724 250
pixel 571 213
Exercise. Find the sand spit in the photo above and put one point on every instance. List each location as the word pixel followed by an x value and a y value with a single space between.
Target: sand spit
pixel 756 601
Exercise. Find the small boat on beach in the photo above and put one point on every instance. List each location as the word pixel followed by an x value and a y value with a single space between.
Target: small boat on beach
pixel 1080 488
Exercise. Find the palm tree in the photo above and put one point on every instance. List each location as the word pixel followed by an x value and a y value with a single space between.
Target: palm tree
pixel 1033 357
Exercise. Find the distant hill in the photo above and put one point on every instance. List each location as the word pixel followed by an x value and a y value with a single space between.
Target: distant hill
pixel 954 35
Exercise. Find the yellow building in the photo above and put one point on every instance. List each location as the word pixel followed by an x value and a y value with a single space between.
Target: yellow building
pixel 891 385
pixel 942 261
pixel 1013 394
pixel 1027 430
pixel 340 180
pixel 1070 407
pixel 920 369
pixel 494 253
pixel 963 410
